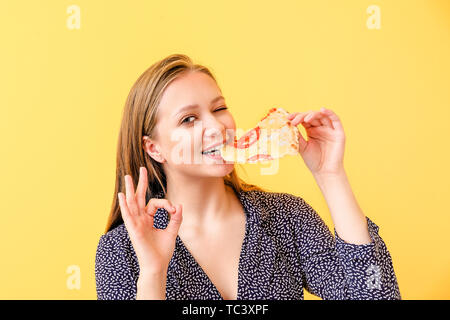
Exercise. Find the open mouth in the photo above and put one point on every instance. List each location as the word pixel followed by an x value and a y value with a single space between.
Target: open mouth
pixel 214 151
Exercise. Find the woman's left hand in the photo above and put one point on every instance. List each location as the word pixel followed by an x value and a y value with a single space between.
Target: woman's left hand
pixel 323 153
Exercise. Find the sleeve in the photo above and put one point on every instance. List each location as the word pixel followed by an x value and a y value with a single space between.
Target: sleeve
pixel 113 276
pixel 333 269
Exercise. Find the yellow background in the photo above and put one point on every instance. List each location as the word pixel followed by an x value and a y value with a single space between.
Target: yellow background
pixel 63 90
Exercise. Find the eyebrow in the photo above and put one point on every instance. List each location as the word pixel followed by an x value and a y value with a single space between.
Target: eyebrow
pixel 193 106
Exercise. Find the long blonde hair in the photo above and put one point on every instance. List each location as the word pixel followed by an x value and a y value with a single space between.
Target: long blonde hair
pixel 139 119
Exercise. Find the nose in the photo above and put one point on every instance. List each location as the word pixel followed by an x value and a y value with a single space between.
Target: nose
pixel 214 134
pixel 214 131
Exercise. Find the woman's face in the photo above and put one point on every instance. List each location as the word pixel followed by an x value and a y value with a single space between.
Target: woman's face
pixel 192 117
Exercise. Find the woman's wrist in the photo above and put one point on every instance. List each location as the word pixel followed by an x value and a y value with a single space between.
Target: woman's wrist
pixel 151 285
pixel 349 220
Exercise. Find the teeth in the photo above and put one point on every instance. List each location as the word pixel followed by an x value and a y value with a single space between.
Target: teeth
pixel 211 151
pixel 215 150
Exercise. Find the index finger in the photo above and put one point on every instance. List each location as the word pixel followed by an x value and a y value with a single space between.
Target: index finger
pixel 156 203
pixel 141 187
pixel 298 118
pixel 337 124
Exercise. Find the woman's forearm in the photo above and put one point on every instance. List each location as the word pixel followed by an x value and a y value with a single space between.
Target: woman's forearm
pixel 151 286
pixel 349 220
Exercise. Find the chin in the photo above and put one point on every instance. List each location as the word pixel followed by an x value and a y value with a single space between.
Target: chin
pixel 218 170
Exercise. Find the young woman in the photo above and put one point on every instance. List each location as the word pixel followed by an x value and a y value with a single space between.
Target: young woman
pixel 195 230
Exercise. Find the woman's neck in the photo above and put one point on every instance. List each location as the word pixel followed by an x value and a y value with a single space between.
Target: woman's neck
pixel 203 201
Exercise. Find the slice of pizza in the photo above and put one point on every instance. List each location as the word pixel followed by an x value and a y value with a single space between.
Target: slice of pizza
pixel 273 137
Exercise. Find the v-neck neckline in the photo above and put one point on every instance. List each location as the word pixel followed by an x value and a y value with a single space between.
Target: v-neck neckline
pixel 253 233
pixel 242 251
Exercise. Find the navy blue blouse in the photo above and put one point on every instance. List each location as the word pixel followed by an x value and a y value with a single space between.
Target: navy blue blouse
pixel 287 247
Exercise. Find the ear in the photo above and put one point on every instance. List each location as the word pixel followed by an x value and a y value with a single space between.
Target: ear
pixel 152 149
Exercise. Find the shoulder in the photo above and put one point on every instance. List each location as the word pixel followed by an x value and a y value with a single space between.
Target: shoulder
pixel 278 207
pixel 116 266
pixel 115 238
pixel 115 244
pixel 276 201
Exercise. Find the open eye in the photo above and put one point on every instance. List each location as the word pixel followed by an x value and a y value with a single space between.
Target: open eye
pixel 184 120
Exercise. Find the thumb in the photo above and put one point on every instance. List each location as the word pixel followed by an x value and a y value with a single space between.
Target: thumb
pixel 301 142
pixel 175 220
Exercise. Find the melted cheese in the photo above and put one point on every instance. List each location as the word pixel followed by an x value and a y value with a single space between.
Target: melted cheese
pixel 277 138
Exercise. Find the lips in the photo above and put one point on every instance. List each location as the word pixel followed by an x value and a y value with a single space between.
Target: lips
pixel 215 145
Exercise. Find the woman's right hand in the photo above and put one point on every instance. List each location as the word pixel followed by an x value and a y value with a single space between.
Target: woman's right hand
pixel 154 247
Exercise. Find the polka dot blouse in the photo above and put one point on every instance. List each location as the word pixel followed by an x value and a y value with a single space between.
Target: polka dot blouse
pixel 287 247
